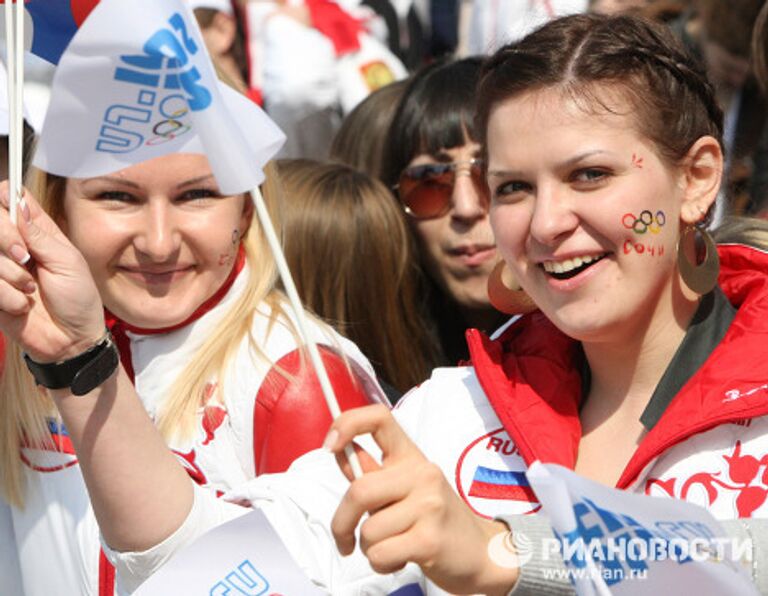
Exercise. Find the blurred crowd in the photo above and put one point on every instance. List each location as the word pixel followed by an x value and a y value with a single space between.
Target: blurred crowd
pixel 397 241
pixel 310 63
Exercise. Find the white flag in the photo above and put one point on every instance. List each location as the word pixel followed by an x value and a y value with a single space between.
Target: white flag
pixel 242 556
pixel 135 83
pixel 616 542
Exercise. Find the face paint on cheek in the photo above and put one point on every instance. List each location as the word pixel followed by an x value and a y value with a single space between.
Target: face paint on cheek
pixel 645 223
pixel 640 248
pixel 637 161
pixel 226 259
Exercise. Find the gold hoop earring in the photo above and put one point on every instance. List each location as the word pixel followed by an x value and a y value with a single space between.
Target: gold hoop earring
pixel 701 278
pixel 505 294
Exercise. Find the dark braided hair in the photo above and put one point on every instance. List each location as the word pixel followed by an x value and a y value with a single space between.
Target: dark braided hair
pixel 672 101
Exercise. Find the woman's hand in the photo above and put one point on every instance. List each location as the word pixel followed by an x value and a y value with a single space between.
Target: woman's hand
pixel 414 513
pixel 49 303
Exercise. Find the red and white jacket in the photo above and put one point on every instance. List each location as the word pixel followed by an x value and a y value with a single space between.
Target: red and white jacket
pixel 518 402
pixel 253 421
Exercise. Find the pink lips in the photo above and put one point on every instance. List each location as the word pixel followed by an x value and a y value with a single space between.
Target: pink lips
pixel 473 255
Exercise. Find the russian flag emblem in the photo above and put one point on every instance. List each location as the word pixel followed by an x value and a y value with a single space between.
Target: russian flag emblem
pixel 488 483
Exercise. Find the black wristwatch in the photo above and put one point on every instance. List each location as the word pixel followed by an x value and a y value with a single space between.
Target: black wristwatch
pixel 81 374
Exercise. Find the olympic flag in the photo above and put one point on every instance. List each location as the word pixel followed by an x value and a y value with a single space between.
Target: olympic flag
pixel 135 82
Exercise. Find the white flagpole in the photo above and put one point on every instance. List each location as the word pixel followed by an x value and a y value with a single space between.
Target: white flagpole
pixel 10 57
pixel 293 296
pixel 19 104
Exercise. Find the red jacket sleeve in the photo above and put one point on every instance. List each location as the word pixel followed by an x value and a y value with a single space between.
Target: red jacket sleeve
pixel 290 417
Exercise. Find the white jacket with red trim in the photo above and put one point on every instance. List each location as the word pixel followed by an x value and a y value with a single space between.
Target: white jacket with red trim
pixel 518 402
pixel 258 423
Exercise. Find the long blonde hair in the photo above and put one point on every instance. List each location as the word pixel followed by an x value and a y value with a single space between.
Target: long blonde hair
pixel 23 416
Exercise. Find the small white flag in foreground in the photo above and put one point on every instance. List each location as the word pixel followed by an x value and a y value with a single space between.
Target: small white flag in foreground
pixel 243 556
pixel 136 83
pixel 615 542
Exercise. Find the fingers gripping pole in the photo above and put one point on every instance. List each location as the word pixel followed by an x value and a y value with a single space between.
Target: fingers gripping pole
pixel 298 309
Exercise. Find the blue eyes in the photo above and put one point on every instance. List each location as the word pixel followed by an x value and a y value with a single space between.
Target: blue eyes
pixel 583 179
pixel 589 175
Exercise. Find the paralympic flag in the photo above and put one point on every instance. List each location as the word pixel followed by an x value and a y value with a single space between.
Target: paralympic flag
pixel 134 83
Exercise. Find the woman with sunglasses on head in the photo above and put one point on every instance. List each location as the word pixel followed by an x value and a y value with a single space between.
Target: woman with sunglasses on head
pixel 643 370
pixel 432 161
pixel 203 333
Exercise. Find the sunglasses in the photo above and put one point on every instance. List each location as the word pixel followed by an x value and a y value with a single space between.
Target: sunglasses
pixel 426 190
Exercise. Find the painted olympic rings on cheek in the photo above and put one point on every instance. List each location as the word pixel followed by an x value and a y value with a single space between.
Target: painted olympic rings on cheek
pixel 645 222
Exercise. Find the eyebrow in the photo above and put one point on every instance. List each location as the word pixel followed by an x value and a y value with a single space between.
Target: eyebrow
pixel 112 180
pixel 192 181
pixel 567 163
pixel 129 183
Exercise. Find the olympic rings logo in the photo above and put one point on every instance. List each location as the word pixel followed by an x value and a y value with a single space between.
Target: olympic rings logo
pixel 645 222
pixel 171 128
pixel 167 130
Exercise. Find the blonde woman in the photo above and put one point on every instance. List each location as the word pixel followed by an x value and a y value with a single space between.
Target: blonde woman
pixel 202 333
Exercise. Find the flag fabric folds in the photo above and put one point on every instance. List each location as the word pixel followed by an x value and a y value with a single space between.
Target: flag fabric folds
pixel 134 83
pixel 626 544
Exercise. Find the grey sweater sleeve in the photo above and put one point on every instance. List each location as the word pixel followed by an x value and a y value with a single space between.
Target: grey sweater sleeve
pixel 540 575
pixel 547 575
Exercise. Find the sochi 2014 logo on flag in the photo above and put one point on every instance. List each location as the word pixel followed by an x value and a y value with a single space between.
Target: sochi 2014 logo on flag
pixel 136 83
pixel 155 117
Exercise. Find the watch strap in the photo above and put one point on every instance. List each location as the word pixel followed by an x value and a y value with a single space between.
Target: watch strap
pixel 81 374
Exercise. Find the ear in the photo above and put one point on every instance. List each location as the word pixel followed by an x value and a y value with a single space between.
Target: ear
pixel 703 171
pixel 220 34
